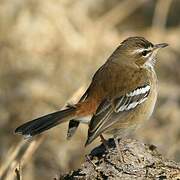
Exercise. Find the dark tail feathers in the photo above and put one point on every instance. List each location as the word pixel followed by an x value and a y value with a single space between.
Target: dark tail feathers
pixel 44 123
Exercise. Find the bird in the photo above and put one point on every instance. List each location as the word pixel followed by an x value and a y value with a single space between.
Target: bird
pixel 119 99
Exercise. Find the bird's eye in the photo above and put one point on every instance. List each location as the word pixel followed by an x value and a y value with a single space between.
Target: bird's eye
pixel 144 53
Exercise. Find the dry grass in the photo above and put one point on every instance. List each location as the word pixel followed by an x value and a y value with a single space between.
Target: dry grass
pixel 48 49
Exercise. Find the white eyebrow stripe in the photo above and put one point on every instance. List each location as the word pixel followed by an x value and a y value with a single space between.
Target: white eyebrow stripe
pixel 141 50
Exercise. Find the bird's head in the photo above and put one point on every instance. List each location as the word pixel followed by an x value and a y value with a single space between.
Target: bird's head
pixel 138 50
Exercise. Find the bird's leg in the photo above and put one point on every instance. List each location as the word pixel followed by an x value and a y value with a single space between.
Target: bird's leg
pixel 119 149
pixel 104 141
pixel 88 159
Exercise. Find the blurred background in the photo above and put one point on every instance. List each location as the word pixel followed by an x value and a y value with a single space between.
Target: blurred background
pixel 49 51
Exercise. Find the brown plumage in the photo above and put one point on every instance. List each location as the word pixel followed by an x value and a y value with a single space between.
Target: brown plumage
pixel 121 96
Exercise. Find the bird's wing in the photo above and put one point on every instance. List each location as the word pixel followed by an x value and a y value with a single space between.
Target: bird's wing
pixel 118 106
pixel 120 101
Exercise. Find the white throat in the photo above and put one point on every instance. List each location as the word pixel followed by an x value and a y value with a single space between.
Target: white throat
pixel 150 63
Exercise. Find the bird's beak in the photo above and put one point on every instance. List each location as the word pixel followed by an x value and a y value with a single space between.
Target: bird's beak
pixel 162 45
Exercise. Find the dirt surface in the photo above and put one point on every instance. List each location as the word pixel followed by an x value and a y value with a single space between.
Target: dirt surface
pixel 140 162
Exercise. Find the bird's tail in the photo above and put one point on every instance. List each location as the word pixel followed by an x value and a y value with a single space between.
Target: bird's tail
pixel 46 122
